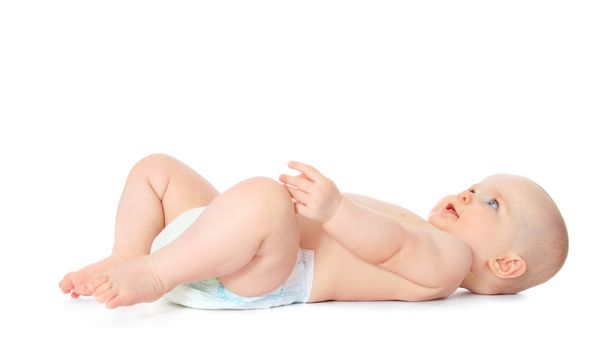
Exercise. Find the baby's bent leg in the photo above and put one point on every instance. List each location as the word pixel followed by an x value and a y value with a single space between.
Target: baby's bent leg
pixel 255 218
pixel 252 220
pixel 158 188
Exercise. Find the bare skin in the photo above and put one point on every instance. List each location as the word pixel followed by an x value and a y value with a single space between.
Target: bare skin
pixel 146 205
pixel 250 264
pixel 260 245
pixel 498 218
pixel 75 282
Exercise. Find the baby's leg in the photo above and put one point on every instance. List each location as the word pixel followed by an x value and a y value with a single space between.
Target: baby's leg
pixel 249 233
pixel 158 189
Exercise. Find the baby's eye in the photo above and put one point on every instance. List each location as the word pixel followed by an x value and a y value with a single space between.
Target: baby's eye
pixel 493 203
pixel 472 190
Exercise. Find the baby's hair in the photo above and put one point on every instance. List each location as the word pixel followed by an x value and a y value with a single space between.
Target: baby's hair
pixel 543 245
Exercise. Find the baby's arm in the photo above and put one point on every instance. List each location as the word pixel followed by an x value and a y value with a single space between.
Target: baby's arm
pixel 429 258
pixel 390 209
pixel 367 233
pixel 425 257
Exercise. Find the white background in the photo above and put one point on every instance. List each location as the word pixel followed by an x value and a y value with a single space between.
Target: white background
pixel 405 102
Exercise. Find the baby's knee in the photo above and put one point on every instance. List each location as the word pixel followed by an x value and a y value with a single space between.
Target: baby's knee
pixel 266 189
pixel 154 163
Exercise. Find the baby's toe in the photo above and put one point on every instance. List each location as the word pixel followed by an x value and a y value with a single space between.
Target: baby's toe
pixel 82 289
pixel 107 294
pixel 114 302
pixel 66 284
pixel 103 288
pixel 95 282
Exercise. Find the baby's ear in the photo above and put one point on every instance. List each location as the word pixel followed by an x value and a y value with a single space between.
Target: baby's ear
pixel 508 266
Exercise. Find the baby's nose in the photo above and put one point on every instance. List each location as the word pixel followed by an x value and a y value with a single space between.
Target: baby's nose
pixel 464 196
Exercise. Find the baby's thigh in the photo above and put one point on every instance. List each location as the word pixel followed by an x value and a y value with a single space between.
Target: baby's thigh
pixel 277 254
pixel 263 274
pixel 178 186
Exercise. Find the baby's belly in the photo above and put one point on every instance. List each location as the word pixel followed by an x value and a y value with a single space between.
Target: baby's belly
pixel 341 275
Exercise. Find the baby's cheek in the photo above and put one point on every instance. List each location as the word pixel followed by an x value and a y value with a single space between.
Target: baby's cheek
pixel 475 232
pixel 467 228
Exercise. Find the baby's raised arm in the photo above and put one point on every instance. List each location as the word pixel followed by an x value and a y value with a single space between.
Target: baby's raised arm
pixel 427 257
pixel 369 234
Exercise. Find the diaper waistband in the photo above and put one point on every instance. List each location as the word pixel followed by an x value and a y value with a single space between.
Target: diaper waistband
pixel 308 257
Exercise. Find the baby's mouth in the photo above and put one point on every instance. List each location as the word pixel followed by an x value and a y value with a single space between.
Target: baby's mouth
pixel 451 209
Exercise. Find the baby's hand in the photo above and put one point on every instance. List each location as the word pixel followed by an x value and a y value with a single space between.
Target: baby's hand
pixel 316 196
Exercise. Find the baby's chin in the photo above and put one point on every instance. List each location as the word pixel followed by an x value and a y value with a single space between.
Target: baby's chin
pixel 434 219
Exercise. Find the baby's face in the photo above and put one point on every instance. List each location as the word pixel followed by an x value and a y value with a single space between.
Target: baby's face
pixel 486 215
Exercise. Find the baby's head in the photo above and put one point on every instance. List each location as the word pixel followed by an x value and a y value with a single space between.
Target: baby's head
pixel 516 233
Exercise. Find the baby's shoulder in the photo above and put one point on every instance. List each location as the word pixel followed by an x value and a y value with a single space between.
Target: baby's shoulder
pixel 453 251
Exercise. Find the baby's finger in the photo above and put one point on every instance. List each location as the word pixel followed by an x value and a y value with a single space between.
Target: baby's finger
pixel 308 170
pixel 300 209
pixel 299 182
pixel 298 195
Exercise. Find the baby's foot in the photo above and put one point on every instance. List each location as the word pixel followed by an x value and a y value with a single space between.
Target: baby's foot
pixel 76 281
pixel 131 282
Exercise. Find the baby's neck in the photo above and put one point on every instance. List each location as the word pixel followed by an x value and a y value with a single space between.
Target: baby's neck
pixel 476 284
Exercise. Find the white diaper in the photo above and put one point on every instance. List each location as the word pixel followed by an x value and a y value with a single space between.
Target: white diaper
pixel 211 294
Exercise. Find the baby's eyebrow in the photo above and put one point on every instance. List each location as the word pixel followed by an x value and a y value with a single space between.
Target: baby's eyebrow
pixel 503 203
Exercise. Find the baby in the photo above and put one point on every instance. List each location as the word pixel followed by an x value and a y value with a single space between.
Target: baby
pixel 264 243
